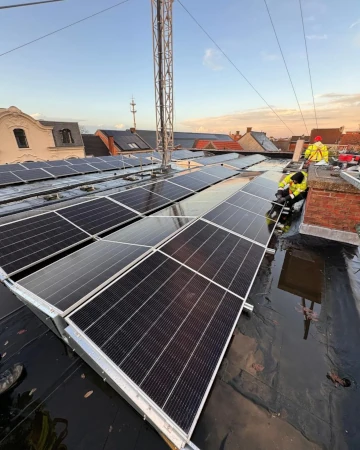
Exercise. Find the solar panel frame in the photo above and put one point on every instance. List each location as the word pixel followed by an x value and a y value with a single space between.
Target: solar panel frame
pixel 168 190
pixel 260 191
pixel 220 172
pixel 136 198
pixel 84 168
pixel 103 166
pixel 250 202
pixel 34 175
pixel 189 182
pixel 36 165
pixel 23 227
pixel 76 161
pixel 11 167
pixel 58 162
pixel 62 171
pixel 86 215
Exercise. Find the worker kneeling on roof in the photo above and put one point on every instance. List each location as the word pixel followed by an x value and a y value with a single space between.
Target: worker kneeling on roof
pixel 317 151
pixel 292 188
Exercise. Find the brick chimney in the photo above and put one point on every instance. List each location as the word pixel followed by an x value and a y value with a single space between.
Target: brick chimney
pixel 248 129
pixel 112 146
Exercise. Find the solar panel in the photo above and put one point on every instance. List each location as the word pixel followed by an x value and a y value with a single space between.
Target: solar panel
pixel 61 171
pixel 260 191
pixel 11 167
pixel 74 277
pixel 102 165
pixel 76 161
pixel 33 175
pixel 149 231
pixel 217 254
pixel 8 178
pixel 207 160
pixel 243 222
pixel 97 216
pixel 92 159
pixel 166 328
pixel 35 165
pixel 247 161
pixel 186 154
pixel 220 172
pixel 206 177
pixel 26 242
pixel 59 162
pixel 84 168
pixel 250 203
pixel 168 190
pixel 140 199
pixel 189 182
pixel 268 184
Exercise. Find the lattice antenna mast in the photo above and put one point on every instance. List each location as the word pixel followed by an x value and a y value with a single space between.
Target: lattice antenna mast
pixel 133 111
pixel 163 77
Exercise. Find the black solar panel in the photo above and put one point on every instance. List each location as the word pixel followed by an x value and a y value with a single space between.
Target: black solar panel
pixel 220 172
pixel 166 327
pixel 243 222
pixel 76 161
pixel 189 182
pixel 149 231
pixel 68 280
pixel 28 241
pixel 140 200
pixel 266 183
pixel 62 171
pixel 102 165
pixel 109 159
pixel 97 216
pixel 84 168
pixel 92 159
pixel 11 167
pixel 260 191
pixel 217 254
pixel 59 162
pixel 134 162
pixel 33 175
pixel 250 203
pixel 205 177
pixel 35 165
pixel 207 160
pixel 168 190
pixel 8 178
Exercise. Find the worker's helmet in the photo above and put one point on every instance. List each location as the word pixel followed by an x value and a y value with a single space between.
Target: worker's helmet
pixel 318 138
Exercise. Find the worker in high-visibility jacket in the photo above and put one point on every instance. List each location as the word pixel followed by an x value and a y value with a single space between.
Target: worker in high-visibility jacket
pixel 292 188
pixel 317 151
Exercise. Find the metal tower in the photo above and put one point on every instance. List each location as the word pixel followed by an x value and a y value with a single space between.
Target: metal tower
pixel 163 76
pixel 133 111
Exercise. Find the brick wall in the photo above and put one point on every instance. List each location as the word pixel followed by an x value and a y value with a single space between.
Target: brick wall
pixel 331 209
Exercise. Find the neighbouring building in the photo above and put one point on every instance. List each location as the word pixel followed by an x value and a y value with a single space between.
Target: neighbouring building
pixel 94 146
pixel 330 136
pixel 294 140
pixel 257 141
pixel 201 144
pixel 235 137
pixel 122 141
pixel 22 138
pixel 351 139
pixel 282 144
pixel 183 139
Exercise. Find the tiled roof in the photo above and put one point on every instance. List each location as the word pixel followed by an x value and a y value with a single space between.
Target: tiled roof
pixel 350 138
pixel 219 145
pixel 328 135
pixel 94 146
pixel 183 139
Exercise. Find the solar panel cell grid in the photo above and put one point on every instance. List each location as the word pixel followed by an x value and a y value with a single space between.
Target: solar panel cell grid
pixel 28 241
pixel 259 191
pixel 140 200
pixel 84 168
pixel 36 165
pixel 250 203
pixel 61 171
pixel 8 178
pixel 11 167
pixel 97 216
pixel 217 254
pixel 103 166
pixel 189 182
pixel 33 175
pixel 60 162
pixel 168 190
pixel 219 171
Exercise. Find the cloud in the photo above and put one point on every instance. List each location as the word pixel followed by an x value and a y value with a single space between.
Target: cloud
pixel 212 59
pixel 354 24
pixel 269 56
pixel 36 115
pixel 317 36
pixel 120 126
pixel 333 110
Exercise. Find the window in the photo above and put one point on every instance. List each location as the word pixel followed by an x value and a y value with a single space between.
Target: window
pixel 20 137
pixel 66 136
pixel 133 145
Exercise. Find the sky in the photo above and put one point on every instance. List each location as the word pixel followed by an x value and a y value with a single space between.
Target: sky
pixel 89 72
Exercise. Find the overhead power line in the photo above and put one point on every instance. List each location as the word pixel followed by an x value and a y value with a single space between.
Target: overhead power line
pixel 64 28
pixel 286 67
pixel 30 4
pixel 308 62
pixel 235 66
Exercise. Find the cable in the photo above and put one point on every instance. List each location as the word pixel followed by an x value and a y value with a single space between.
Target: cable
pixel 308 62
pixel 233 64
pixel 29 4
pixel 286 67
pixel 64 28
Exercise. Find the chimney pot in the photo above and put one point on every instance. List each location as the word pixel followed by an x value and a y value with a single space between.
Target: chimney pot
pixel 133 130
pixel 248 129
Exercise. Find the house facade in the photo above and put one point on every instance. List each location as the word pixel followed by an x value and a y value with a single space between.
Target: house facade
pixel 257 141
pixel 22 138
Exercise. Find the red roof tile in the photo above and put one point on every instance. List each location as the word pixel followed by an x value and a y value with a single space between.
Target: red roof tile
pixel 350 138
pixel 329 135
pixel 217 145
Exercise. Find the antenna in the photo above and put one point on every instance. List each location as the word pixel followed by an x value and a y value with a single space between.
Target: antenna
pixel 133 111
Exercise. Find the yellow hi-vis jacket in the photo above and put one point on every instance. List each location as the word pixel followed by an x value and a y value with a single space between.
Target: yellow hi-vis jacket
pixel 316 152
pixel 294 189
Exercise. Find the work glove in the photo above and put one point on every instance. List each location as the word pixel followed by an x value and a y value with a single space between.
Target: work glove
pixel 279 193
pixel 281 200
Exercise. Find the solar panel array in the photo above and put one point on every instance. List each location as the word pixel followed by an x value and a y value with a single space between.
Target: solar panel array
pixel 207 160
pixel 42 170
pixel 246 161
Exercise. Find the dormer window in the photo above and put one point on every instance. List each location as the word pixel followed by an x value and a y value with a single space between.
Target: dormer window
pixel 66 136
pixel 20 137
